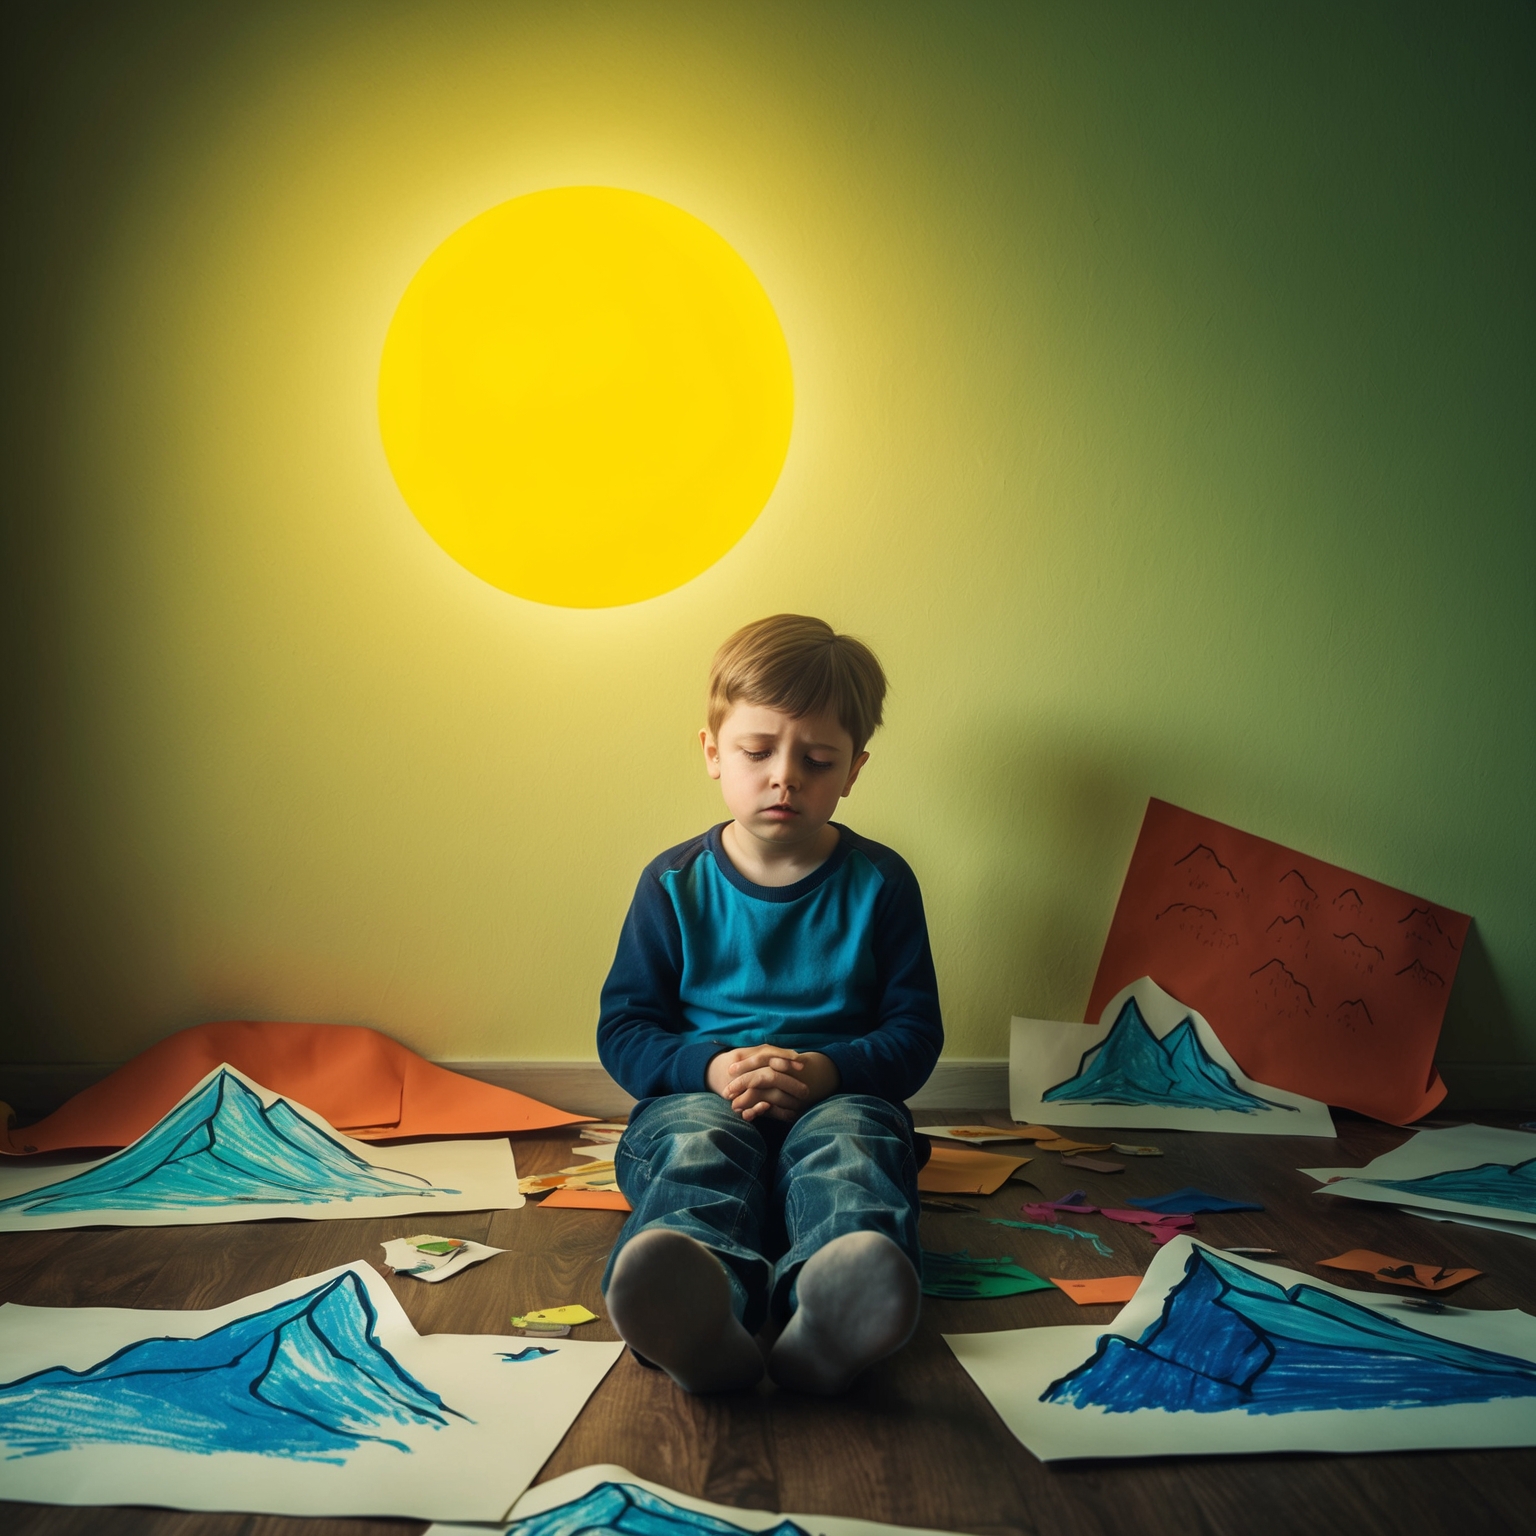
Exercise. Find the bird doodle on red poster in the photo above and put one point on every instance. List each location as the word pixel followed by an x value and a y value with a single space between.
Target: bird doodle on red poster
pixel 1317 980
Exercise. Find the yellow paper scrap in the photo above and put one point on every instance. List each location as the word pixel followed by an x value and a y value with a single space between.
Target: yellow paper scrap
pixel 572 1314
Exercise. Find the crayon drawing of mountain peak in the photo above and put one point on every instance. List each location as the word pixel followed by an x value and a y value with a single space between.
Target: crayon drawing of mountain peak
pixel 1502 1186
pixel 1228 1339
pixel 1132 1066
pixel 222 1146
pixel 624 1507
pixel 306 1379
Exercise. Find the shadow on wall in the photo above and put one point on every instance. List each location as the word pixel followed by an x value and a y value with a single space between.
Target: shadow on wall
pixel 1059 825
pixel 1479 1021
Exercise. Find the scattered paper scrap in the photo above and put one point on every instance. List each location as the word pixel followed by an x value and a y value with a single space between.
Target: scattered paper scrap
pixel 1075 1204
pixel 603 1130
pixel 435 1258
pixel 572 1314
pixel 1213 1356
pixel 1099 1293
pixel 962 1277
pixel 1131 1149
pixel 1066 1146
pixel 1149 1062
pixel 316 1397
pixel 1022 1129
pixel 585 1200
pixel 1422 1277
pixel 979 1133
pixel 1190 1201
pixel 953 1170
pixel 1092 1164
pixel 1055 1229
pixel 1319 981
pixel 1161 1227
pixel 596 1175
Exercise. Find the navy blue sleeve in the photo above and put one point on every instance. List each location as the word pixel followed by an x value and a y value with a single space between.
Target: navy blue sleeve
pixel 639 1027
pixel 894 1059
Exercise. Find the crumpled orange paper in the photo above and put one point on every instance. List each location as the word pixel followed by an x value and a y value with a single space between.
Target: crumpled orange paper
pixel 952 1170
pixel 362 1082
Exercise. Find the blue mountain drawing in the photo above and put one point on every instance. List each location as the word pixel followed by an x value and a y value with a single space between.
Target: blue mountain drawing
pixel 622 1509
pixel 306 1379
pixel 224 1147
pixel 1229 1339
pixel 1510 1186
pixel 1132 1066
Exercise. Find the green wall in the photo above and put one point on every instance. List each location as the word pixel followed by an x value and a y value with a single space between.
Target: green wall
pixel 1164 418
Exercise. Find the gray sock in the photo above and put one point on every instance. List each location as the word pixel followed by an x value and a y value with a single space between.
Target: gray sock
pixel 670 1299
pixel 858 1300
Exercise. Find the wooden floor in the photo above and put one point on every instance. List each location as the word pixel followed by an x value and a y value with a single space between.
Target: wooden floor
pixel 914 1442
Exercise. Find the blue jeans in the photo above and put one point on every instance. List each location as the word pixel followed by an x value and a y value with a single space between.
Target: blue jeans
pixel 764 1196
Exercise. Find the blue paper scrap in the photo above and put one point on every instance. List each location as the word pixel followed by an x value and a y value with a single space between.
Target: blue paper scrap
pixel 1190 1201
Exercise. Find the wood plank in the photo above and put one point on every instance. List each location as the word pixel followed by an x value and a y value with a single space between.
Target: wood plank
pixel 914 1442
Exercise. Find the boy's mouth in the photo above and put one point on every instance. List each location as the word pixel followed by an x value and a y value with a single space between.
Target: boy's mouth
pixel 780 812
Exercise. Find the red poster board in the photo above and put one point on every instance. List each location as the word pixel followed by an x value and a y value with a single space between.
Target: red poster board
pixel 1316 980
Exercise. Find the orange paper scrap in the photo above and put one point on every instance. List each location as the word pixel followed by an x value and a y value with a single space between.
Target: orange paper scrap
pixel 585 1200
pixel 1020 1130
pixel 952 1170
pixel 1065 1145
pixel 1317 980
pixel 1419 1277
pixel 362 1082
pixel 1098 1293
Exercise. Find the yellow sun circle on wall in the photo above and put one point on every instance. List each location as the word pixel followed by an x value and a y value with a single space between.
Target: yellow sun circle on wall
pixel 585 396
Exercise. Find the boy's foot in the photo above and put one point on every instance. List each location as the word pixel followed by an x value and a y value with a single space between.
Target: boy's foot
pixel 670 1299
pixel 858 1300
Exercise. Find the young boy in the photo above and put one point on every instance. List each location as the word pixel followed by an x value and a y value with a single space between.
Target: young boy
pixel 772 1004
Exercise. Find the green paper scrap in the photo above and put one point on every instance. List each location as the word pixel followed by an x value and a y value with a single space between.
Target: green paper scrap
pixel 960 1277
pixel 438 1245
pixel 1034 1226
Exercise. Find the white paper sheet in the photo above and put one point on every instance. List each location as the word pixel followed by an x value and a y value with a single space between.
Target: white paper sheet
pixel 230 1150
pixel 1510 1228
pixel 1466 1170
pixel 313 1398
pixel 553 1509
pixel 403 1259
pixel 1157 1066
pixel 1258 1380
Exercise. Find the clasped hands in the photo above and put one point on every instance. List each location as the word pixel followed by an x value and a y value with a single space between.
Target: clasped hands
pixel 771 1080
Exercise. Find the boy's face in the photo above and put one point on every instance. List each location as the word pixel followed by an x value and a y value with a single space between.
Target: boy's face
pixel 781 776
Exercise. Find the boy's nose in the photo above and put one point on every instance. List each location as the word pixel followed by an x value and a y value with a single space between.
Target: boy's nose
pixel 784 772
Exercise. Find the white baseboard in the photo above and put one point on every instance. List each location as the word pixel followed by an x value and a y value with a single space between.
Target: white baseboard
pixel 976 1083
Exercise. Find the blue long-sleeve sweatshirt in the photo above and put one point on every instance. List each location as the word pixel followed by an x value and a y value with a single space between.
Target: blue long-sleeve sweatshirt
pixel 839 963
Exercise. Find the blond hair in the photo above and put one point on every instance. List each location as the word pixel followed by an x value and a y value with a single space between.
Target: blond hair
pixel 802 666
